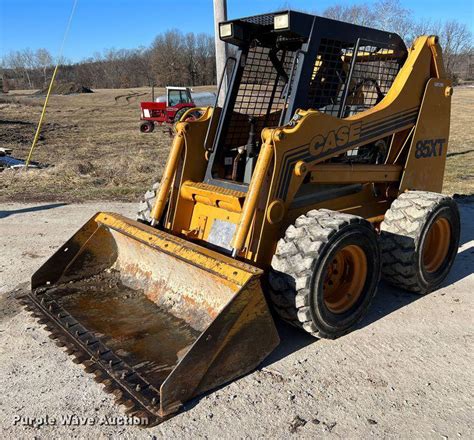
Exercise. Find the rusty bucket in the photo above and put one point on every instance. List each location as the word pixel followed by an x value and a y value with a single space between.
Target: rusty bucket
pixel 158 319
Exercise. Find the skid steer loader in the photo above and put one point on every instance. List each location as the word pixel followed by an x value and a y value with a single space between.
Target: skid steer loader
pixel 321 172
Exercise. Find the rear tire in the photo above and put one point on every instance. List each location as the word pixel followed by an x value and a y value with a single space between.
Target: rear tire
pixel 146 204
pixel 179 114
pixel 419 239
pixel 325 272
pixel 195 114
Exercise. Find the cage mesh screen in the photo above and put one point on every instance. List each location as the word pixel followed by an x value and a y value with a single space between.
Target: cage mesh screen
pixel 374 71
pixel 261 95
pixel 264 19
pixel 328 77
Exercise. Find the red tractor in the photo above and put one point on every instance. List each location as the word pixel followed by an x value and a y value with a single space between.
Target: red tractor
pixel 169 108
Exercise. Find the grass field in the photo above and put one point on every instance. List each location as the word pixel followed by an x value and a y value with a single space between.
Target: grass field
pixel 95 151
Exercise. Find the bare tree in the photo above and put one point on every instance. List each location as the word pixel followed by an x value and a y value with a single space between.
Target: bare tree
pixel 455 37
pixel 19 62
pixel 456 40
pixel 43 60
pixel 391 15
pixel 358 14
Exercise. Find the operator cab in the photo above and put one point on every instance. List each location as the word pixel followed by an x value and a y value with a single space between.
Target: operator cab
pixel 287 61
pixel 178 95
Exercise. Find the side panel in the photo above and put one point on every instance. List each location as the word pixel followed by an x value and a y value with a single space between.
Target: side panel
pixel 424 168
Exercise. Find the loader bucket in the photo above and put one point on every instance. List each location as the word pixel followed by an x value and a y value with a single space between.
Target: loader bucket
pixel 158 319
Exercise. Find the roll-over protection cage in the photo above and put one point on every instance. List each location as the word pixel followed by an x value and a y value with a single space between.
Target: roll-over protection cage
pixel 290 60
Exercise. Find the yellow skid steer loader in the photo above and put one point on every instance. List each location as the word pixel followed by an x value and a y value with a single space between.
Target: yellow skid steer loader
pixel 321 172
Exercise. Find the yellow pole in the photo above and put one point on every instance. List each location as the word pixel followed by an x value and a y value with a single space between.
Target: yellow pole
pixel 167 179
pixel 253 194
pixel 43 112
pixel 40 123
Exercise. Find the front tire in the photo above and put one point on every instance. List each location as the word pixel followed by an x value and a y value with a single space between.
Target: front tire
pixel 325 272
pixel 419 239
pixel 147 127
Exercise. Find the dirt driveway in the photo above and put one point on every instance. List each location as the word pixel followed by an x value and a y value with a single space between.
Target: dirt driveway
pixel 405 373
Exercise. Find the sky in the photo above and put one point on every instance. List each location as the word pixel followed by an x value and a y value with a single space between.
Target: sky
pixel 103 24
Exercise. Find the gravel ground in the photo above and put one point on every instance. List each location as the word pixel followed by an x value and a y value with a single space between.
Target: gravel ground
pixel 405 373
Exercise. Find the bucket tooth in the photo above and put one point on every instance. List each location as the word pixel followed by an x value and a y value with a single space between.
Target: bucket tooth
pixel 118 393
pixel 99 375
pixel 109 388
pixel 129 404
pixel 79 357
pixel 91 368
pixel 144 415
pixel 132 411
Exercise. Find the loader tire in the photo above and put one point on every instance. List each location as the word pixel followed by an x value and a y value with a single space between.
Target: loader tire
pixel 325 272
pixel 146 204
pixel 419 240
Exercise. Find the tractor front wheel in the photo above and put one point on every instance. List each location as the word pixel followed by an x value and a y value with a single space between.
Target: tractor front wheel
pixel 147 127
pixel 325 272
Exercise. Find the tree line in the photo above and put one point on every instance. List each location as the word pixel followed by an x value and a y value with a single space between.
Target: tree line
pixel 455 37
pixel 176 58
pixel 173 58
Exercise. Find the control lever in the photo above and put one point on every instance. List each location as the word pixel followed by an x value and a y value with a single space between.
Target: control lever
pixel 251 145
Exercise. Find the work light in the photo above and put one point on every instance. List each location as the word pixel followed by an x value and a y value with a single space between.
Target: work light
pixel 225 30
pixel 281 21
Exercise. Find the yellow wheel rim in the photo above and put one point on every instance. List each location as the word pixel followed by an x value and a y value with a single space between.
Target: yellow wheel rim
pixel 344 279
pixel 436 247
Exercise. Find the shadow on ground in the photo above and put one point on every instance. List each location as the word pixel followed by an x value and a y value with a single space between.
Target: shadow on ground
pixel 387 300
pixel 6 213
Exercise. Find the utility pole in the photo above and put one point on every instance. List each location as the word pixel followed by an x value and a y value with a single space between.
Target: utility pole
pixel 220 14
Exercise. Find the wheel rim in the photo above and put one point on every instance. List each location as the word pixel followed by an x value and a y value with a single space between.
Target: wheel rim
pixel 436 247
pixel 345 279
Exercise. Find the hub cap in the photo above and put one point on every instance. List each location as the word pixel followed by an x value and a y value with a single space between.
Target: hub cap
pixel 345 279
pixel 436 245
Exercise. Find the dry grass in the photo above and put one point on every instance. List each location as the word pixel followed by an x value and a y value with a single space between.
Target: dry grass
pixel 459 175
pixel 92 143
pixel 96 151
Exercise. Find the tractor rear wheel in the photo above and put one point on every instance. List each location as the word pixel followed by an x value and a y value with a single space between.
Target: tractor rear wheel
pixel 147 127
pixel 325 272
pixel 419 239
pixel 195 114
